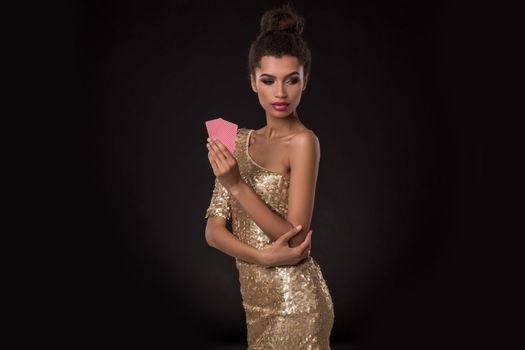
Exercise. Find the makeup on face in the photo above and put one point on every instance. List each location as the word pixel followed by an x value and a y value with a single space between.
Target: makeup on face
pixel 280 106
pixel 279 84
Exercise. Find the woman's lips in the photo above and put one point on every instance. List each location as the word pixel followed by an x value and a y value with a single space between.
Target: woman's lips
pixel 280 106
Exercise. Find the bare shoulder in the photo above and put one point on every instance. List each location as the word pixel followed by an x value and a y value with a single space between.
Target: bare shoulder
pixel 305 145
pixel 304 139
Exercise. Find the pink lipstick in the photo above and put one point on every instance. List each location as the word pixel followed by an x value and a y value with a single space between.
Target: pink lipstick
pixel 280 106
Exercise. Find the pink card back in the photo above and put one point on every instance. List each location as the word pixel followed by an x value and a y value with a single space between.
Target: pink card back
pixel 223 130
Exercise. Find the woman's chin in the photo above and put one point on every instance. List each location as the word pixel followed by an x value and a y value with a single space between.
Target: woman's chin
pixel 279 114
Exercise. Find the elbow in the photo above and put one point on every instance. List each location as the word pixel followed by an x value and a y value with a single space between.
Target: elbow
pixel 214 226
pixel 209 237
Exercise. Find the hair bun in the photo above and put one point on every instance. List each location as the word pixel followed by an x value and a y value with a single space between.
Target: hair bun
pixel 283 18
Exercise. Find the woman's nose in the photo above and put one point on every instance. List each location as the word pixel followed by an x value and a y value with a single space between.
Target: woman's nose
pixel 280 91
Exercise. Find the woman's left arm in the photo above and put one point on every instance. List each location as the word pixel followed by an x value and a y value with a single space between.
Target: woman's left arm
pixel 304 164
pixel 305 154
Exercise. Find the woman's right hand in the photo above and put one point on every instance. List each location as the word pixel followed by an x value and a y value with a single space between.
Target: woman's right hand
pixel 280 253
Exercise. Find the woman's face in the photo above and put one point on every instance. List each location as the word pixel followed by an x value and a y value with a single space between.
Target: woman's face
pixel 279 80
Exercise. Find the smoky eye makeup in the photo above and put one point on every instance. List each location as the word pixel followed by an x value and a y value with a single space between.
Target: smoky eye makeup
pixel 294 80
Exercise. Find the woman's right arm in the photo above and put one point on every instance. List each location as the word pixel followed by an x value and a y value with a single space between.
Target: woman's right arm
pixel 279 253
pixel 219 237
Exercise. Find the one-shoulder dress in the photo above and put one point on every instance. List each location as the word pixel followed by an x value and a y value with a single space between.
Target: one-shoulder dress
pixel 286 307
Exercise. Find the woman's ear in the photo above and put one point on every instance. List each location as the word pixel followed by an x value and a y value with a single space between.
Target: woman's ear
pixel 252 81
pixel 305 82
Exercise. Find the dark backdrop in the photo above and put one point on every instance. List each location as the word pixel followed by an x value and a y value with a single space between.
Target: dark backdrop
pixel 397 188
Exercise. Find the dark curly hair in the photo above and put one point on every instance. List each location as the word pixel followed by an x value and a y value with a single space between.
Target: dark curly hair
pixel 280 35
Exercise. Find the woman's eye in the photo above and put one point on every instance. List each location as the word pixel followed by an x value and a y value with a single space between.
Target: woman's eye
pixel 291 81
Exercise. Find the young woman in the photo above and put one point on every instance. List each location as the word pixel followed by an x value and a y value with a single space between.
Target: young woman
pixel 267 189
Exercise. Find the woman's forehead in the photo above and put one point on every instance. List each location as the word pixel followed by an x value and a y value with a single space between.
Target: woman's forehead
pixel 279 66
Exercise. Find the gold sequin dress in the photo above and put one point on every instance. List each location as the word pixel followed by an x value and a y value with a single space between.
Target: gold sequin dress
pixel 287 307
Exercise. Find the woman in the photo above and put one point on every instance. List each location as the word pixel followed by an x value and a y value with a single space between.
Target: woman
pixel 267 189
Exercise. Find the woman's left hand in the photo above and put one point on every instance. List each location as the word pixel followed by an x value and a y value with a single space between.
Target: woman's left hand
pixel 224 164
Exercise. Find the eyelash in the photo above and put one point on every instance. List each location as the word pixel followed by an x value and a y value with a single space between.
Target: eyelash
pixel 268 82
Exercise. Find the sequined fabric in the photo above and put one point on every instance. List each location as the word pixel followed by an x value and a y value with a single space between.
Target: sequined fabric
pixel 287 307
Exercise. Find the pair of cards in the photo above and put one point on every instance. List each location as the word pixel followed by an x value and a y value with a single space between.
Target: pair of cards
pixel 223 130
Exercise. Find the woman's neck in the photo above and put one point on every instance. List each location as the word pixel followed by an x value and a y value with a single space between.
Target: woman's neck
pixel 281 127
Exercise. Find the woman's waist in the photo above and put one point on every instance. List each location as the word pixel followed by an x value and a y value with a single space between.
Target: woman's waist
pixel 260 284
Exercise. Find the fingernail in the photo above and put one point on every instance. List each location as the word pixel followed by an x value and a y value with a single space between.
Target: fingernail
pixel 298 227
pixel 208 139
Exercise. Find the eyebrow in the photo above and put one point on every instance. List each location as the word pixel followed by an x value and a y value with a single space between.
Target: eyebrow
pixel 271 76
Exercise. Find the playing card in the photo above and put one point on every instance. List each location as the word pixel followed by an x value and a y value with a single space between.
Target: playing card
pixel 223 130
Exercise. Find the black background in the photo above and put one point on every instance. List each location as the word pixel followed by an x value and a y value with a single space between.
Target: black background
pixel 397 200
